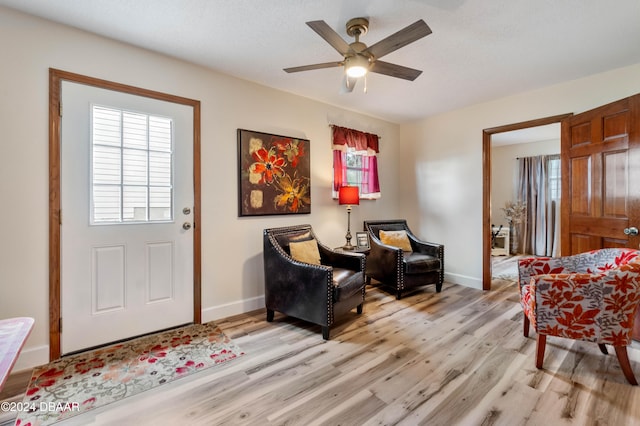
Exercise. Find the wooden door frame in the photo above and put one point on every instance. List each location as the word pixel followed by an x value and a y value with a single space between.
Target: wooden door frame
pixel 486 185
pixel 56 77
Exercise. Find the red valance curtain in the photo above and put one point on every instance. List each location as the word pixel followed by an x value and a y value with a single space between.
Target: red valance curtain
pixel 356 139
pixel 366 146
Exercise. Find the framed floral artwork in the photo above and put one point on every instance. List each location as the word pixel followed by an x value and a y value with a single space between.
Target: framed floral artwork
pixel 274 174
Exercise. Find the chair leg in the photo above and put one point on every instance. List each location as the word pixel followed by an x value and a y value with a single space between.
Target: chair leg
pixel 359 308
pixel 603 348
pixel 270 314
pixel 525 329
pixel 325 332
pixel 540 346
pixel 368 280
pixel 623 359
pixel 398 295
pixel 439 287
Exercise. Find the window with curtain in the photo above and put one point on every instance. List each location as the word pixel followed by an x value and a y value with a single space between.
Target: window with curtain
pixel 355 161
pixel 539 183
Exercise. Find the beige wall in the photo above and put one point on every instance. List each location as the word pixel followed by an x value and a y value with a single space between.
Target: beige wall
pixel 442 158
pixel 504 172
pixel 232 274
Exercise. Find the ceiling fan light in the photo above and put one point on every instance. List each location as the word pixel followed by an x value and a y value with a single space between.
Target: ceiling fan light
pixel 356 66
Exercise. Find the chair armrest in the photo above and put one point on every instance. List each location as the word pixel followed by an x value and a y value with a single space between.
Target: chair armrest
pixel 383 259
pixel 353 261
pixel 424 247
pixel 567 305
pixel 531 266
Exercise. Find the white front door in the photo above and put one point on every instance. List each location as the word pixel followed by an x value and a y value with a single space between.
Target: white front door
pixel 127 200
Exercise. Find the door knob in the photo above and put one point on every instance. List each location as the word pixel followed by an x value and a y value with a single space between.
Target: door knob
pixel 186 226
pixel 631 231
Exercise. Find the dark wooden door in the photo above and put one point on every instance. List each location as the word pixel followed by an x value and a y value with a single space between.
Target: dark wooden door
pixel 601 179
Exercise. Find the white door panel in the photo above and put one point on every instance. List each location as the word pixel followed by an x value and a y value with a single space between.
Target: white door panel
pixel 121 280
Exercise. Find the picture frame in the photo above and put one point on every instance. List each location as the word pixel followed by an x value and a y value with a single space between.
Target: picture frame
pixel 274 174
pixel 362 241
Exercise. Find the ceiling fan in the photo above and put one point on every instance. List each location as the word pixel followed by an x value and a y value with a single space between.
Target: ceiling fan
pixel 358 59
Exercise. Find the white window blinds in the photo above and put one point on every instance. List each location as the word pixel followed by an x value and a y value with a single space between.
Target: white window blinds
pixel 131 166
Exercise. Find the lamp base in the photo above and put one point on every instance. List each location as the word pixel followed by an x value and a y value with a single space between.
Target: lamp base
pixel 348 247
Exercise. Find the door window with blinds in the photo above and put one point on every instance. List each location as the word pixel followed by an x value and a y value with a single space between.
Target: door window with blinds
pixel 131 167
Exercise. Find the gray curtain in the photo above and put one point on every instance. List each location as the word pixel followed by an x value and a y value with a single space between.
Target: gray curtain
pixel 539 232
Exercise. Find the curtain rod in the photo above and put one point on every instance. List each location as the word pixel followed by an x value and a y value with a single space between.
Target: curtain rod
pixel 542 155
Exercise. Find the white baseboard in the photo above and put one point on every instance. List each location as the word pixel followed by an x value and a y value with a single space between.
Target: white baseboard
pixel 31 357
pixel 235 308
pixel 464 280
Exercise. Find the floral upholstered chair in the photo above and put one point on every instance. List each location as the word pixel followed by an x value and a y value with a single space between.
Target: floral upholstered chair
pixel 591 296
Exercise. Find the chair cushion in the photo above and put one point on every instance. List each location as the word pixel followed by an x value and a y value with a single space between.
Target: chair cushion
pixel 417 263
pixel 396 238
pixel 305 251
pixel 346 283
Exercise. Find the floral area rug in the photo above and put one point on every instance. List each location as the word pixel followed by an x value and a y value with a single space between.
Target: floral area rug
pixel 72 385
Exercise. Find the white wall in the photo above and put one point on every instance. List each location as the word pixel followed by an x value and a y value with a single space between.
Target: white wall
pixel 232 270
pixel 443 161
pixel 504 172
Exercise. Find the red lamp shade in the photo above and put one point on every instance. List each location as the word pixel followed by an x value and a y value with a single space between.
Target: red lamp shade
pixel 349 195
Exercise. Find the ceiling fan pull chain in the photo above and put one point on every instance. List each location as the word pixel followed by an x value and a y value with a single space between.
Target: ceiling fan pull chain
pixel 365 83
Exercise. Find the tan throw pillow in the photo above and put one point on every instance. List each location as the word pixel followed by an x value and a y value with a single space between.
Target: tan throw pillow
pixel 305 251
pixel 398 239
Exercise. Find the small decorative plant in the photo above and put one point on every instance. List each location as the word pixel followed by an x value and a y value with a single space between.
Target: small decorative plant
pixel 514 212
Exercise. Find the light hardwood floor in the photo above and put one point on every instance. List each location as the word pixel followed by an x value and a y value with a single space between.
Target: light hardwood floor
pixel 453 358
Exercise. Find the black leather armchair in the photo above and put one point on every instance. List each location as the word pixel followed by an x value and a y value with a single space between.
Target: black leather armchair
pixel 314 293
pixel 403 270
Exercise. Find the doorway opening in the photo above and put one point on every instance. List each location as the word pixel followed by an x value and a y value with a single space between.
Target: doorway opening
pixel 487 235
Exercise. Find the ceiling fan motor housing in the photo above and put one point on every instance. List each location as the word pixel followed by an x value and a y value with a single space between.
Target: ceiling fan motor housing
pixel 357 27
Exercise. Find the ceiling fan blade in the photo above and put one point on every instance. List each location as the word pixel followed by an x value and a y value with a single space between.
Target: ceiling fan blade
pixel 314 67
pixel 395 70
pixel 330 36
pixel 395 41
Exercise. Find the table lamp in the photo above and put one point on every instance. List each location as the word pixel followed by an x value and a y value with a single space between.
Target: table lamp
pixel 349 196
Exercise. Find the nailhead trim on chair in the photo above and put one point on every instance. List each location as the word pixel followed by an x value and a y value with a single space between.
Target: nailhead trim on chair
pixel 400 269
pixel 441 255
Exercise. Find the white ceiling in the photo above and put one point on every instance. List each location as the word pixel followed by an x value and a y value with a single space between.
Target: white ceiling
pixel 479 50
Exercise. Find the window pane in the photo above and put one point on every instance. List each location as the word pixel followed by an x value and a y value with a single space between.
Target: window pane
pixel 134 130
pixel 159 169
pixel 134 167
pixel 106 203
pixel 555 182
pixel 106 126
pixel 160 203
pixel 134 203
pixel 160 134
pixel 106 165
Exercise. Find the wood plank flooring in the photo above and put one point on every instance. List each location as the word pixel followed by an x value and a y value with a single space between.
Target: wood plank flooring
pixel 453 358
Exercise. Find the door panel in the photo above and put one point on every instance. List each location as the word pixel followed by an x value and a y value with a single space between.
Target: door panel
pixel 598 147
pixel 601 153
pixel 120 280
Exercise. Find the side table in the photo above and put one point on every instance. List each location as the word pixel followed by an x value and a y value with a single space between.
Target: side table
pixel 364 251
